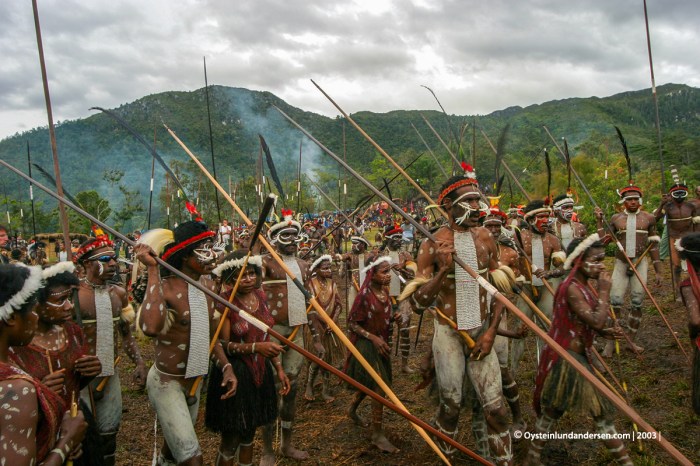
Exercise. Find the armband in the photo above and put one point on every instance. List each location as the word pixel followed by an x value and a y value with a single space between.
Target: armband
pixel 696 219
pixel 60 453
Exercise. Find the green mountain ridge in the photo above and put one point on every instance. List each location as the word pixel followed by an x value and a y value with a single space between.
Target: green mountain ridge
pixel 90 146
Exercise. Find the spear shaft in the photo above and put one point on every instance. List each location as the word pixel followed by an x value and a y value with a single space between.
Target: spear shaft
pixel 52 133
pixel 444 144
pixel 563 353
pixel 31 190
pixel 211 138
pixel 437 162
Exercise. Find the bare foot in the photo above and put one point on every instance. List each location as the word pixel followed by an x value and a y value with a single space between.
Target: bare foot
pixel 268 459
pixel 327 397
pixel 609 347
pixel 293 453
pixel 407 369
pixel 357 420
pixel 638 348
pixel 309 394
pixel 381 442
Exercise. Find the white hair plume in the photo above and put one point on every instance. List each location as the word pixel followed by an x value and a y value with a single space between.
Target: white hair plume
pixel 30 286
pixel 236 264
pixel 56 269
pixel 317 262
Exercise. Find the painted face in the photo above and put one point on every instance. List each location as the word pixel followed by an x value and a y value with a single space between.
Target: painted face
pixel 540 222
pixel 58 307
pixel 359 247
pixel 566 212
pixel 631 204
pixel 467 207
pixel 382 275
pixel 4 238
pixel 249 280
pixel 395 241
pixel 592 263
pixel 494 227
pixel 324 269
pixel 679 194
pixel 101 263
pixel 202 259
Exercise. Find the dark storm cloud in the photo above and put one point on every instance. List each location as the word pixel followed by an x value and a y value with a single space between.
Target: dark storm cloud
pixel 372 54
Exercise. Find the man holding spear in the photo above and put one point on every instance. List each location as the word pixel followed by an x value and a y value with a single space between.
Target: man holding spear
pixel 635 229
pixel 182 319
pixel 460 298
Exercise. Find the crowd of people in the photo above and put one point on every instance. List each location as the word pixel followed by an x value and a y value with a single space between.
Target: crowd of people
pixel 65 326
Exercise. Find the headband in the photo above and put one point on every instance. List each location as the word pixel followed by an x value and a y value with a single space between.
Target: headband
pixel 30 286
pixel 187 242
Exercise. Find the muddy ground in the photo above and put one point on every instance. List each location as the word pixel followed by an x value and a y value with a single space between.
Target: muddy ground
pixel 659 390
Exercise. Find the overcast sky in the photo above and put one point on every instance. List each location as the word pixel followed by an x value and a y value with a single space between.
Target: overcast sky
pixel 478 56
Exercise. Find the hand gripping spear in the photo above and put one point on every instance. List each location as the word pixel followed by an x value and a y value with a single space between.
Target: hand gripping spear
pixel 585 373
pixel 266 208
pixel 622 249
pixel 321 312
pixel 396 407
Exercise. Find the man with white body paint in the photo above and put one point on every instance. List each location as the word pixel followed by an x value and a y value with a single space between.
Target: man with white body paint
pixel 565 228
pixel 182 319
pixel 545 251
pixel 288 307
pixel 460 297
pixel 636 230
pixel 103 310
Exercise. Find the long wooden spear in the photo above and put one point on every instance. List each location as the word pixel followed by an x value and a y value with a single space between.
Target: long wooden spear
pixel 437 162
pixel 312 300
pixel 622 249
pixel 458 141
pixel 153 172
pixel 377 146
pixel 563 353
pixel 52 133
pixel 211 138
pixel 396 407
pixel 31 191
pixel 444 144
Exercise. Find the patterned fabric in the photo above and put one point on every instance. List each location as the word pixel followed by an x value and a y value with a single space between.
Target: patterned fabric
pixel 537 257
pixel 198 356
pixel 466 288
pixel 369 312
pixel 296 303
pixel 104 343
pixel 565 327
pixel 51 409
pixel 631 235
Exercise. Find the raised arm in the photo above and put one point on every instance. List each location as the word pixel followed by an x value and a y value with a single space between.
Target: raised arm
pixel 153 315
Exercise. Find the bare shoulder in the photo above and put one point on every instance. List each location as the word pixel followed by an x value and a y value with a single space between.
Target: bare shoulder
pixel 118 291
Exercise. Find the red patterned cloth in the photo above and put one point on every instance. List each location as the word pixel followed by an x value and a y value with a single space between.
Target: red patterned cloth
pixel 51 410
pixel 565 327
pixel 369 312
pixel 33 360
pixel 243 332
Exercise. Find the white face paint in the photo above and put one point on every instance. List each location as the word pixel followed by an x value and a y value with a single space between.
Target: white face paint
pixel 463 202
pixel 205 254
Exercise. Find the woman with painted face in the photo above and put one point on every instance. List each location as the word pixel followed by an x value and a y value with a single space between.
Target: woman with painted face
pixel 255 362
pixel 369 323
pixel 322 286
pixel 31 428
pixel 580 312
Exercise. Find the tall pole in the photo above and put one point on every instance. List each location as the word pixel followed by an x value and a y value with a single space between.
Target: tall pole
pixel 656 101
pixel 31 190
pixel 211 138
pixel 299 179
pixel 153 172
pixel 52 133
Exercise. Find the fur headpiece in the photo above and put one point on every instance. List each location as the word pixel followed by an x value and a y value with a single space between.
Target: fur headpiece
pixel 99 241
pixel 360 239
pixel 376 263
pixel 468 180
pixel 187 234
pixel 391 230
pixel 236 264
pixel 286 224
pixel 580 249
pixel 30 286
pixel 317 262
pixel 57 269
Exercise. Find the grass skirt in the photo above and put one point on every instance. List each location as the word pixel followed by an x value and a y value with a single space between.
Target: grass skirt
pixel 566 390
pixel 335 351
pixel 380 364
pixel 251 406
